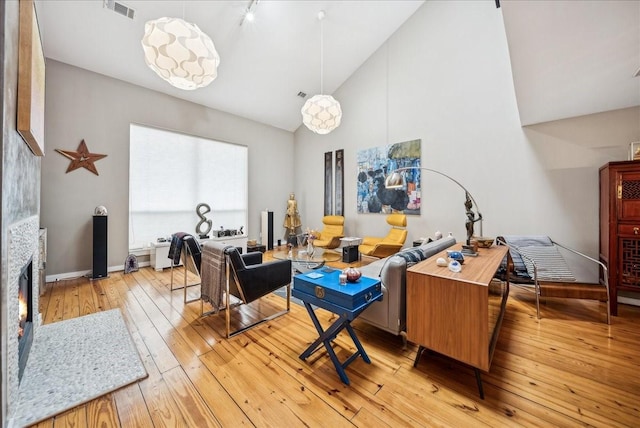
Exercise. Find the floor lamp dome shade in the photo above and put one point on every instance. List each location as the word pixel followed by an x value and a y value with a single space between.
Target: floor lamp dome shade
pixel 321 114
pixel 180 53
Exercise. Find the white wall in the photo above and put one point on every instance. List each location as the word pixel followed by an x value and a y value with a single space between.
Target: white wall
pixel 445 78
pixel 85 105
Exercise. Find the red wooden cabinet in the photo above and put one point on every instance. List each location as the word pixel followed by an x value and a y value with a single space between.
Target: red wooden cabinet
pixel 620 226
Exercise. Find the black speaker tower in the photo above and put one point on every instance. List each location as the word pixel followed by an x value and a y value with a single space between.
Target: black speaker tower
pixel 267 229
pixel 99 246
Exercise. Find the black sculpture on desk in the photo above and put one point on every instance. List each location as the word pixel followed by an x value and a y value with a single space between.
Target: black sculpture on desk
pixel 471 218
pixel 203 220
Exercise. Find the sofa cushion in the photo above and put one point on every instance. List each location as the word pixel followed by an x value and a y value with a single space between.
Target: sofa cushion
pixel 434 247
pixel 412 255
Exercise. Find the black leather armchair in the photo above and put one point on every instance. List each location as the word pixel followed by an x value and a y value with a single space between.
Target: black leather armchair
pixel 249 279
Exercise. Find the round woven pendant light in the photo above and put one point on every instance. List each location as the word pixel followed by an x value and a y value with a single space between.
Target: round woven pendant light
pixel 180 53
pixel 321 113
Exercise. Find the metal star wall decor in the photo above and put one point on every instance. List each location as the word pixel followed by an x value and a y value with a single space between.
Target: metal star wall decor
pixel 81 158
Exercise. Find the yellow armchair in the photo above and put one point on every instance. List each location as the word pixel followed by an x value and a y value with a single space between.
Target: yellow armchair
pixel 390 244
pixel 331 233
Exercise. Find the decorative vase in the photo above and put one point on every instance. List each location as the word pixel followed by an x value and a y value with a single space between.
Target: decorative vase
pixel 353 274
pixel 310 248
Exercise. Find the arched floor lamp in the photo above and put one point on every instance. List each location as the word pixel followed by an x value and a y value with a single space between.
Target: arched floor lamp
pixel 396 180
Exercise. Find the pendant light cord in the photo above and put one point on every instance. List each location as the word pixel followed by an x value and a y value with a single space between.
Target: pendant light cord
pixel 321 18
pixel 387 88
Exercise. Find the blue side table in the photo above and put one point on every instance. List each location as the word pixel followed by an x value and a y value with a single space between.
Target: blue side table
pixel 323 289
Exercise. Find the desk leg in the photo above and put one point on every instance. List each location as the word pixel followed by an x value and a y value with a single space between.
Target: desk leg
pixel 418 355
pixel 476 371
pixel 479 382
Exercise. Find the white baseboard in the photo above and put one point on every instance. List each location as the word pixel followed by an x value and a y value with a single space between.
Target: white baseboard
pixel 628 301
pixel 79 274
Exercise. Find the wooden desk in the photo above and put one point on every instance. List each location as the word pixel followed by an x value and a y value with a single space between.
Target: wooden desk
pixel 458 314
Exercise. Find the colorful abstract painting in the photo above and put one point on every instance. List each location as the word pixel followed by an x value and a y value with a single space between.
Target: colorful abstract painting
pixel 373 167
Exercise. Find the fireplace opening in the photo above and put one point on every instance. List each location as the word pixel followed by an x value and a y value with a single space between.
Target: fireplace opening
pixel 25 321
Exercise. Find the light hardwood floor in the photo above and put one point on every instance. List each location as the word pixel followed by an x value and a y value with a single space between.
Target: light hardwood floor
pixel 568 369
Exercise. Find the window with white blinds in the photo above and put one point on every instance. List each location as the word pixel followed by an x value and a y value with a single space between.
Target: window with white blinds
pixel 171 173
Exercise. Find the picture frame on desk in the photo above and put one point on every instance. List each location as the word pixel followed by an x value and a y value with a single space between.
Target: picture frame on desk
pixel 634 150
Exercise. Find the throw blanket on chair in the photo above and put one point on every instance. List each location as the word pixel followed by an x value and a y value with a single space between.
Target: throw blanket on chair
pixel 541 249
pixel 176 247
pixel 214 273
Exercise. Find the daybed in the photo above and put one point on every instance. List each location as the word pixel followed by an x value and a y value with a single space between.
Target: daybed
pixel 555 270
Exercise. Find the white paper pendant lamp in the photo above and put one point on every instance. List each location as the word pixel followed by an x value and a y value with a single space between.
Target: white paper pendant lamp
pixel 180 53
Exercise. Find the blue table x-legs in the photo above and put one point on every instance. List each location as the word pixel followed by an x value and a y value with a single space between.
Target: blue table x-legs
pixel 323 290
pixel 326 336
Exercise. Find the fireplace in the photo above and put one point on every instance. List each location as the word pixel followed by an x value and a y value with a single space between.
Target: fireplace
pixel 25 259
pixel 25 315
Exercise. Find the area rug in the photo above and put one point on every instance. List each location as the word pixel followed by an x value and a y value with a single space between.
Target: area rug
pixel 75 361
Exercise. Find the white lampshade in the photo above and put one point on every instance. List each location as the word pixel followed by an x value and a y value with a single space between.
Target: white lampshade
pixel 321 114
pixel 180 53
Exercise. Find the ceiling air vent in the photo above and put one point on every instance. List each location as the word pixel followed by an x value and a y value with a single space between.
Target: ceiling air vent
pixel 119 8
pixel 302 94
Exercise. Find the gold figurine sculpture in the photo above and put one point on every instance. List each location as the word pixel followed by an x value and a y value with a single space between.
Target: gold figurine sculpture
pixel 292 218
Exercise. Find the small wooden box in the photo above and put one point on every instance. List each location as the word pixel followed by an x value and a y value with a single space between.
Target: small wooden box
pixel 256 248
pixel 327 288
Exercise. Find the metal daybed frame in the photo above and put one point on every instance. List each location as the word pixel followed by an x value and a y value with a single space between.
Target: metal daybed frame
pixel 578 289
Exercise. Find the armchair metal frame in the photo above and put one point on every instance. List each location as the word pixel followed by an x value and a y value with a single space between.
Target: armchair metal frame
pixel 235 286
pixel 190 265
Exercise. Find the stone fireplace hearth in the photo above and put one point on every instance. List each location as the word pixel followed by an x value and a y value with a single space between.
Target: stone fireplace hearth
pixel 24 247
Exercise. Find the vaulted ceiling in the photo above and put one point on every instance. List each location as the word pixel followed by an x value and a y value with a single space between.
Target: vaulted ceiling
pixel 573 58
pixel 569 58
pixel 263 64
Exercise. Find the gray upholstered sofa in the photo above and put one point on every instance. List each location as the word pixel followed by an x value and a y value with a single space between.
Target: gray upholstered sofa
pixel 390 313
